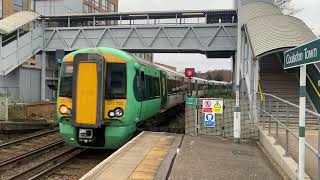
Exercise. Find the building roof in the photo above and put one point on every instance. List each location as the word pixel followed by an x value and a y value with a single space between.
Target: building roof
pixel 269 30
pixel 274 32
pixel 14 21
pixel 257 9
pixel 140 13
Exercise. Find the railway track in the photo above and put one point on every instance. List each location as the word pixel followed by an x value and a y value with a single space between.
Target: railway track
pixel 46 156
pixel 74 166
pixel 21 152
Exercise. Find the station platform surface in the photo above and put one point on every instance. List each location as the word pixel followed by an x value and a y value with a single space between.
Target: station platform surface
pixel 153 155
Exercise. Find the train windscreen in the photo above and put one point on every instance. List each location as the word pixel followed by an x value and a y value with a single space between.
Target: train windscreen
pixel 66 80
pixel 116 81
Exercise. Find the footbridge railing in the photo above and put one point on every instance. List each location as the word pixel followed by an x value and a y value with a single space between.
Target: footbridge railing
pixel 281 118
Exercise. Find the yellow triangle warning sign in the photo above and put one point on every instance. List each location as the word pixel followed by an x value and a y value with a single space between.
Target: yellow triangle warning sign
pixel 217 108
pixel 217 105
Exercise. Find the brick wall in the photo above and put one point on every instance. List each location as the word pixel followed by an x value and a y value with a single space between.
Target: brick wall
pixel 8 7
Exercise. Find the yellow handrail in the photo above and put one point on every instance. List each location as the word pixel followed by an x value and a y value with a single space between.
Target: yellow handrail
pixel 314 87
pixel 260 91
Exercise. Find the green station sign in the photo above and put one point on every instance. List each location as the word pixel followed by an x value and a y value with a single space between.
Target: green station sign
pixel 191 101
pixel 302 55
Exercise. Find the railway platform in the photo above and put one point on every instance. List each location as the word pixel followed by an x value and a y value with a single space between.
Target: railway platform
pixel 154 155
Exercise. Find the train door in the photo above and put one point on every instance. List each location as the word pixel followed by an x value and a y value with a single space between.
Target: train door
pixel 88 90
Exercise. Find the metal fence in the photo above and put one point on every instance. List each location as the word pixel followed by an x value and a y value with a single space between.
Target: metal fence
pixel 281 119
pixel 194 124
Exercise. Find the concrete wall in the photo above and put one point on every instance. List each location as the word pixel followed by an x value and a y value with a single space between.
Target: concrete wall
pixel 9 84
pixel 30 83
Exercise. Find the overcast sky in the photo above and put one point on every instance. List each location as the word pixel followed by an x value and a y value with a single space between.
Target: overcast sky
pixel 309 14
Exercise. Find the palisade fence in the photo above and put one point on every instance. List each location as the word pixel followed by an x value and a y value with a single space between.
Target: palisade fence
pixel 194 124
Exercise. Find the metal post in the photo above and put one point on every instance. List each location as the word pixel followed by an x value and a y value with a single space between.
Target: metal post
pixel 0 46
pixel 286 153
pixel 302 115
pixel 269 128
pixel 263 113
pixel 69 22
pixel 43 76
pixel 277 125
pixel 237 112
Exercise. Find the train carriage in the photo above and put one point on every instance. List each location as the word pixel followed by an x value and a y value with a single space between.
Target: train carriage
pixel 104 93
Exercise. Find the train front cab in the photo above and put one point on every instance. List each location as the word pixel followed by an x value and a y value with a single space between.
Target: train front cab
pixel 92 101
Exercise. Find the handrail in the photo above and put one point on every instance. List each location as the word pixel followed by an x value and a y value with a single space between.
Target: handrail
pixel 314 87
pixel 291 132
pixel 292 104
pixel 260 91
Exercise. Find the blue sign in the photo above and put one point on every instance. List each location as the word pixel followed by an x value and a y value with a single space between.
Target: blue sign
pixel 209 120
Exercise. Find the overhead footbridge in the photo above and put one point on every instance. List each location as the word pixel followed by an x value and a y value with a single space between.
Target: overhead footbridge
pixel 211 32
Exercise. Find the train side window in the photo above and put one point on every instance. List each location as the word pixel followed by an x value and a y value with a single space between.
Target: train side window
pixel 138 86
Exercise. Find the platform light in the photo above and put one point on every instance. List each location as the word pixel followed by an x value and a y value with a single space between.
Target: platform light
pixel 189 72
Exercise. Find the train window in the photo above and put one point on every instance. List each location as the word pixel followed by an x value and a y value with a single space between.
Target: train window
pixel 156 87
pixel 138 86
pixel 116 81
pixel 66 80
pixel 170 86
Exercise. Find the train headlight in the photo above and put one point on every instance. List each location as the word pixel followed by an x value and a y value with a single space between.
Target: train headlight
pixel 64 110
pixel 111 114
pixel 118 112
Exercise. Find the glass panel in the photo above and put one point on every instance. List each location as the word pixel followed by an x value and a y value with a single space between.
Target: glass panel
pixel 17 5
pixel 116 81
pixel 112 7
pixel 97 3
pixel 85 8
pixel 1 9
pixel 66 80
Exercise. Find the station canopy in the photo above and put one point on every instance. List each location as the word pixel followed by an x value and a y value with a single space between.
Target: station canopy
pixel 15 21
pixel 269 30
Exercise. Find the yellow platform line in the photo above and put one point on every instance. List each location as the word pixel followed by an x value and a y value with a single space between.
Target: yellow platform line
pixel 147 168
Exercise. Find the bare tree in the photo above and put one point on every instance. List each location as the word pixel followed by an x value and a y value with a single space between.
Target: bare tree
pixel 286 7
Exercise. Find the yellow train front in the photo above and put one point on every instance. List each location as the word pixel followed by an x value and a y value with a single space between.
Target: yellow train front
pixel 93 97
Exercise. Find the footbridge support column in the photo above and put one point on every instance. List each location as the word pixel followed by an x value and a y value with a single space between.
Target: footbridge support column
pixel 237 111
pixel 43 76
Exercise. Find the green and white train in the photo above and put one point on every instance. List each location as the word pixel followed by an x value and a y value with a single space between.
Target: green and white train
pixel 104 94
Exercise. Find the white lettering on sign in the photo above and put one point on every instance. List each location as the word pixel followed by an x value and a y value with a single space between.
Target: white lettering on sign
pixel 294 58
pixel 312 53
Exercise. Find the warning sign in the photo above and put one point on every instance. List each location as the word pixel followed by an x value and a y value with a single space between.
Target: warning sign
pixel 207 106
pixel 212 106
pixel 217 106
pixel 209 120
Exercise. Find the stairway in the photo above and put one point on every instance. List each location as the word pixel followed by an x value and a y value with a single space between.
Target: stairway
pixel 274 80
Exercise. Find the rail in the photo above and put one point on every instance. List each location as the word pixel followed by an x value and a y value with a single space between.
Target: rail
pixel 285 121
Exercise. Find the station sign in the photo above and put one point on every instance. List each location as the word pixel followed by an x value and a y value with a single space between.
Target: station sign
pixel 191 101
pixel 302 55
pixel 212 106
pixel 209 120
